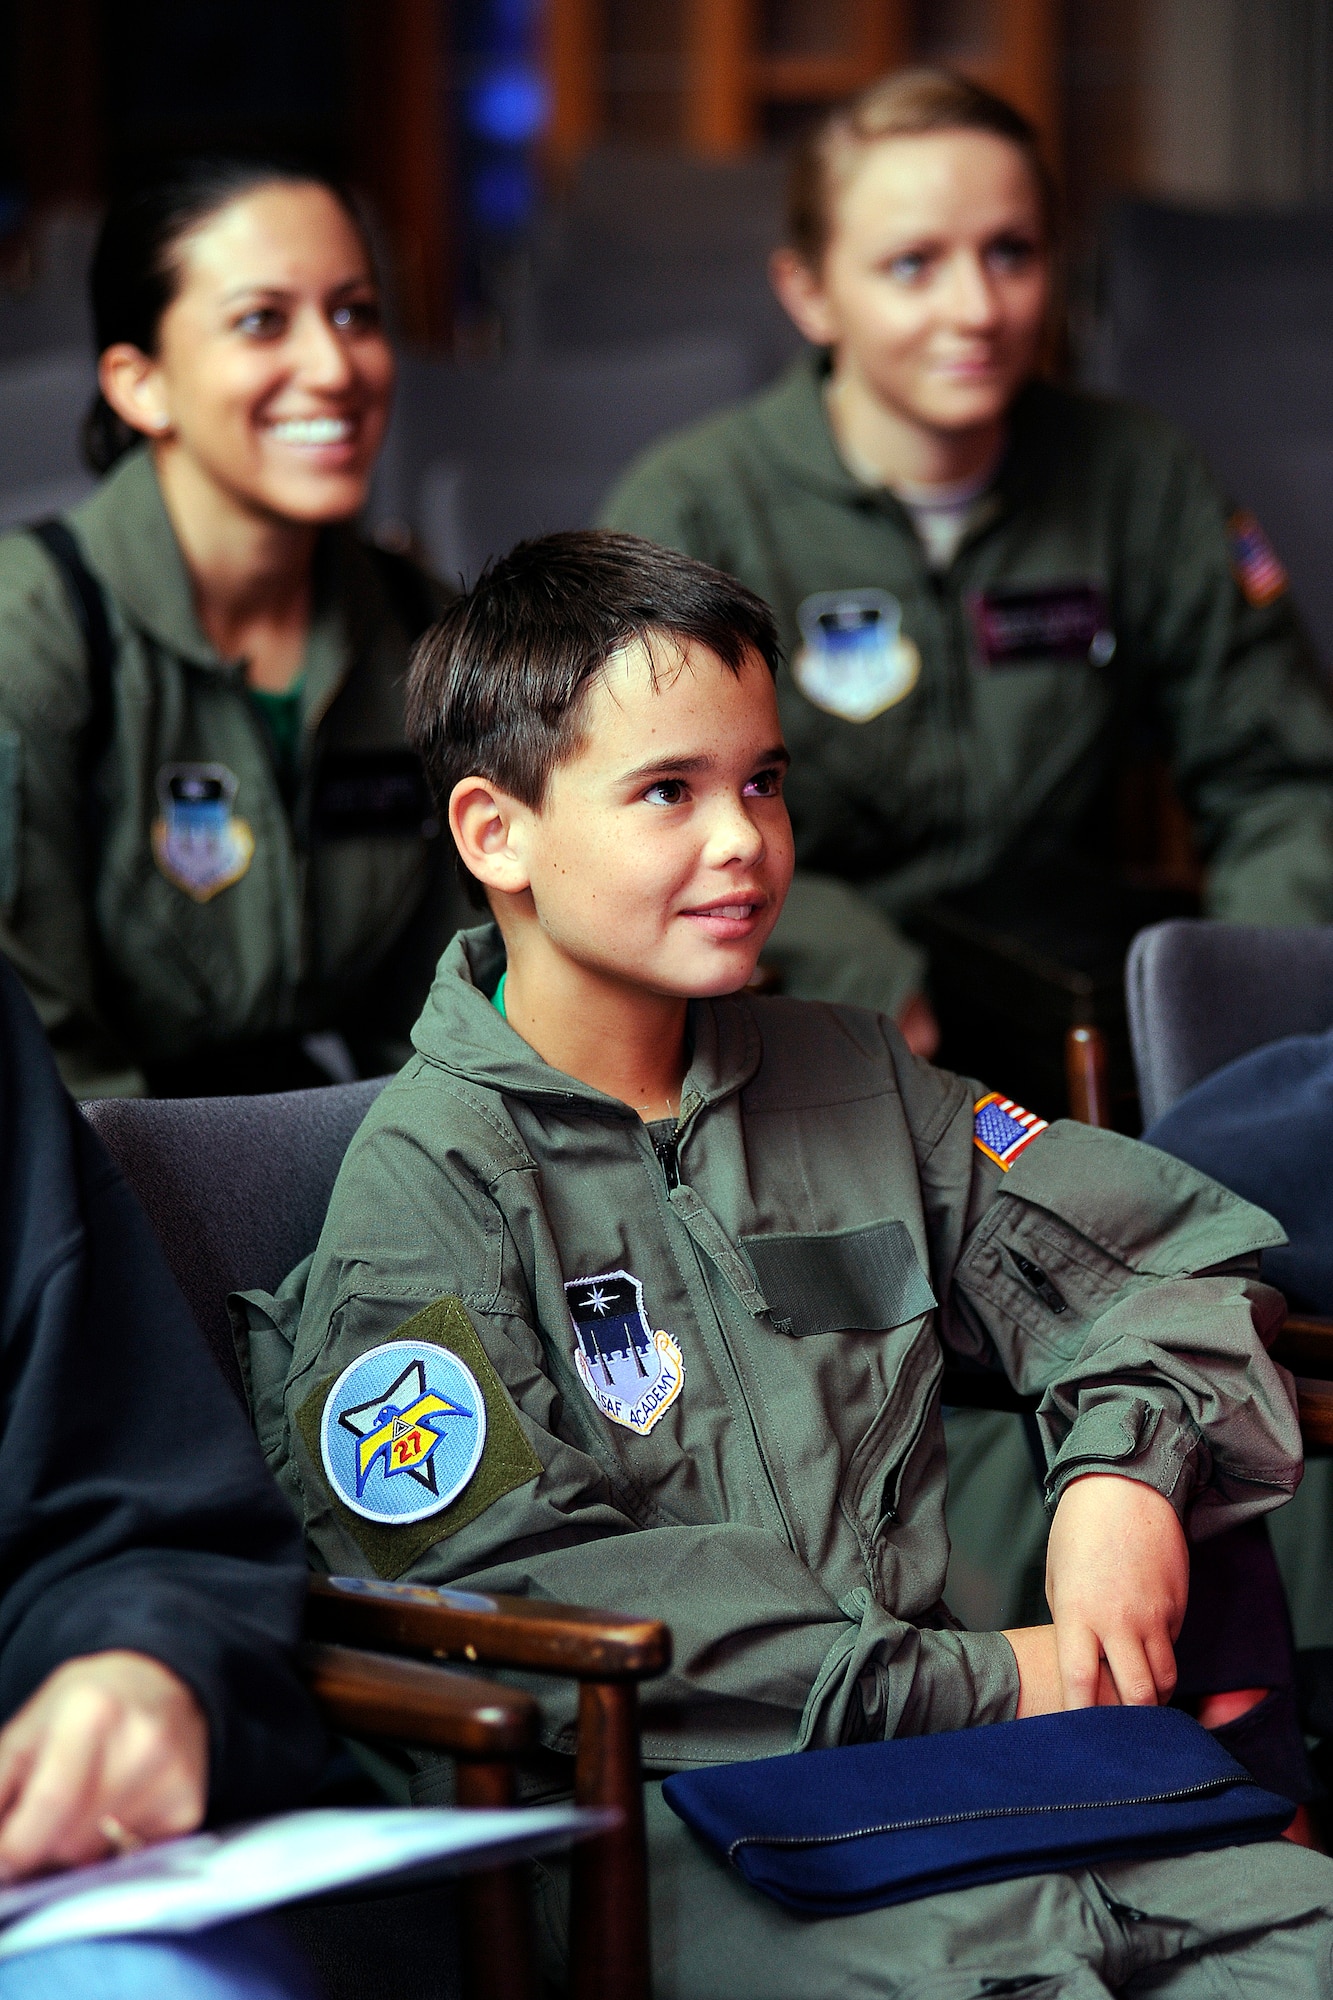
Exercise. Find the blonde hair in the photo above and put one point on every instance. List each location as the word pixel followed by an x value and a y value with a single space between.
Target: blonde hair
pixel 904 105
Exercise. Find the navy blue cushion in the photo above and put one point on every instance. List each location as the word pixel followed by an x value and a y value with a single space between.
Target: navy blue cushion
pixel 833 1831
pixel 1263 1126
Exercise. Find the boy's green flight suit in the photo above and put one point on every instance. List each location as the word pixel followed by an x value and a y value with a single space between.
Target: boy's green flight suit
pixel 996 756
pixel 190 907
pixel 803 1247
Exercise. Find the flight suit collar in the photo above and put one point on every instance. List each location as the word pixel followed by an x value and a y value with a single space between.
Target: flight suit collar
pixel 794 420
pixel 130 542
pixel 461 1031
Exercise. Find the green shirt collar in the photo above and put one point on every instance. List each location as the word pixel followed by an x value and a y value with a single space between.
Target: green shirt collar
pixel 461 1030
pixel 130 542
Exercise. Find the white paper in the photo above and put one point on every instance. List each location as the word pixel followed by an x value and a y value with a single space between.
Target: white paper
pixel 211 1878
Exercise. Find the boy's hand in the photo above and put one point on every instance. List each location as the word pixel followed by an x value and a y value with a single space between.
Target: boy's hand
pixel 110 1753
pixel 1117 1582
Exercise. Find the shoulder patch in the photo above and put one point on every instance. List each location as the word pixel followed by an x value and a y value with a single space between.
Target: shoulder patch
pixel 1001 1128
pixel 416 1438
pixel 1254 561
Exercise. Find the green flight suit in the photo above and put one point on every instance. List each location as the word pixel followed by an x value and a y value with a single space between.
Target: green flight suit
pixel 809 1239
pixel 979 769
pixel 135 964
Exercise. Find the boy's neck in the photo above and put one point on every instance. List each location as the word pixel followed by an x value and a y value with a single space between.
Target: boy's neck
pixel 608 1033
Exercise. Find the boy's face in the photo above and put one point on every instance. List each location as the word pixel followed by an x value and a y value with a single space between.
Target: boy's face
pixel 663 852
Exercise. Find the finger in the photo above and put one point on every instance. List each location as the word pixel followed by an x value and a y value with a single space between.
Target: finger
pixel 1080 1660
pixel 18 1742
pixel 151 1783
pixel 52 1822
pixel 1130 1670
pixel 1161 1657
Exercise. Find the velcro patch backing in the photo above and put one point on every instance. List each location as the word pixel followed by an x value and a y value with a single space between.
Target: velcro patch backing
pixel 507 1460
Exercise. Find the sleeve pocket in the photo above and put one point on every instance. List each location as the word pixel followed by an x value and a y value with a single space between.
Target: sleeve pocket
pixel 867 1278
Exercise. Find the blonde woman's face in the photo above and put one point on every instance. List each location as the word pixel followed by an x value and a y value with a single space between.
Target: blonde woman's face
pixel 935 284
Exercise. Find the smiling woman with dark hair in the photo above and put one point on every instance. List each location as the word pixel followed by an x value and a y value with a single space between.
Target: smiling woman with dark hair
pixel 212 834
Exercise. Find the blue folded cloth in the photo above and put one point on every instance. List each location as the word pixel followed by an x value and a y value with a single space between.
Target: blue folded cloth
pixel 831 1831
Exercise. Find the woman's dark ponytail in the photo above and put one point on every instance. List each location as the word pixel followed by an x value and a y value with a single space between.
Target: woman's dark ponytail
pixel 136 266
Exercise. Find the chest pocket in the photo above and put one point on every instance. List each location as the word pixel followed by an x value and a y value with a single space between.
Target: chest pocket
pixel 850 1279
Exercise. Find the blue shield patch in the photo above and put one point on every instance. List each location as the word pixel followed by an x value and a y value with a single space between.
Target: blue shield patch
pixel 632 1374
pixel 198 841
pixel 856 661
pixel 403 1432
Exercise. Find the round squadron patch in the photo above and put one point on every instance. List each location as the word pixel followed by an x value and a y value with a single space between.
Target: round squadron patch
pixel 402 1432
pixel 856 660
pixel 198 841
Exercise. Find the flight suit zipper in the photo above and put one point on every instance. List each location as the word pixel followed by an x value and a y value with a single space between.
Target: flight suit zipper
pixel 667 1152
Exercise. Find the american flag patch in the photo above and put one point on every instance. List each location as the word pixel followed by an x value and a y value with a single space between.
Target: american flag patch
pixel 1254 563
pixel 1002 1128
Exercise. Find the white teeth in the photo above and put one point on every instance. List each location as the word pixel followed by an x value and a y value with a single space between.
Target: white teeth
pixel 313 430
pixel 733 910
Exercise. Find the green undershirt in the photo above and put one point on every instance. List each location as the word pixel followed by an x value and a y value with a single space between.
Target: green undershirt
pixel 498 997
pixel 281 716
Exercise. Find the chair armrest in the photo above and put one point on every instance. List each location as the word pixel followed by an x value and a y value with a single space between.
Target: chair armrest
pixel 1305 1345
pixel 487 1631
pixel 375 1694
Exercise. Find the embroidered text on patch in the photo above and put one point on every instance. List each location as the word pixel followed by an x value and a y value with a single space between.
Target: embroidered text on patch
pixel 1254 561
pixel 402 1432
pixel 632 1374
pixel 1001 1128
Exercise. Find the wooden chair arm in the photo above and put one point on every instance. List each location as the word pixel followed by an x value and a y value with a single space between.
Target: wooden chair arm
pixel 609 1957
pixel 1086 1076
pixel 376 1694
pixel 487 1631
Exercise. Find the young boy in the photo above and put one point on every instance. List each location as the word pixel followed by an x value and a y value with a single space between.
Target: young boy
pixel 635 1290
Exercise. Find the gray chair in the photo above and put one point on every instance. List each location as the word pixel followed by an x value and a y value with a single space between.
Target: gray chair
pixel 594 410
pixel 43 400
pixel 1200 994
pixel 1224 322
pixel 467 513
pixel 236 1188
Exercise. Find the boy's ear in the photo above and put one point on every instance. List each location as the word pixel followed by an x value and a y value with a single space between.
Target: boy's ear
pixel 482 819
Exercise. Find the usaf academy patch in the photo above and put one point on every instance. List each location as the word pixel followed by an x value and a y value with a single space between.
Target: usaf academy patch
pixel 856 660
pixel 1001 1128
pixel 1254 561
pixel 631 1373
pixel 198 842
pixel 402 1432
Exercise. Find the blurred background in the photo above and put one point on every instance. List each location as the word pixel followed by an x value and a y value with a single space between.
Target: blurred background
pixel 574 200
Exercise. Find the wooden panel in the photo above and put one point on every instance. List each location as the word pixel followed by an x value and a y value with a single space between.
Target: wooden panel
pixel 1306 1347
pixel 60 123
pixel 720 119
pixel 574 37
pixel 404 156
pixel 1023 64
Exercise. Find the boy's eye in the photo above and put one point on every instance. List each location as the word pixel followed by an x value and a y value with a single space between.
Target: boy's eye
pixel 765 785
pixel 666 792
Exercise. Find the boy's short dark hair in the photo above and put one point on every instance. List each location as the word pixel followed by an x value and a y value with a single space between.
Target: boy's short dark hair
pixel 498 686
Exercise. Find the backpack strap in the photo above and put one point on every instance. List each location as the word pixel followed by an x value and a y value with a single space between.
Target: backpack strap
pixel 88 602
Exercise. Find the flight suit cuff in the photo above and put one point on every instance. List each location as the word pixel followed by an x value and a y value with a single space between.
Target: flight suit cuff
pixel 1135 1439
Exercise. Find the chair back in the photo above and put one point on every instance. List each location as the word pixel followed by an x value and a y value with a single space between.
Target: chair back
pixel 236 1188
pixel 1200 994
